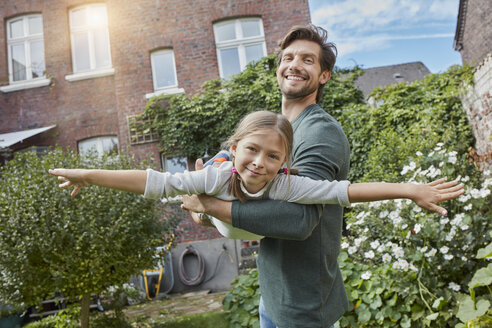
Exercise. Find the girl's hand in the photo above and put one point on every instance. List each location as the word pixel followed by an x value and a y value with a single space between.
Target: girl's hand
pixel 74 177
pixel 428 195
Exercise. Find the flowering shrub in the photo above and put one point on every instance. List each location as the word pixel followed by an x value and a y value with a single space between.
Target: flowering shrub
pixel 404 267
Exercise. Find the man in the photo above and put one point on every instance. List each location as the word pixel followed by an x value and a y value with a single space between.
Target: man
pixel 300 282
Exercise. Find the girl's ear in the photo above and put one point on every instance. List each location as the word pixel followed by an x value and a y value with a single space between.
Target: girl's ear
pixel 233 149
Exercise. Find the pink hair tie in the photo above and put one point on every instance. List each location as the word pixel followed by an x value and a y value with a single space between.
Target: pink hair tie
pixel 286 171
pixel 234 170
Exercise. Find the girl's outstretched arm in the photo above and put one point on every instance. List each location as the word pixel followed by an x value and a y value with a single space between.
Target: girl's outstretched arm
pixel 125 180
pixel 424 195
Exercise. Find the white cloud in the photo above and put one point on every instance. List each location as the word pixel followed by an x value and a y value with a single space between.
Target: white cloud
pixel 358 25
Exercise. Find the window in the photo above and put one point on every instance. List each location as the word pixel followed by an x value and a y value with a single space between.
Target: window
pixel 25 47
pixel 89 36
pixel 164 73
pixel 174 164
pixel 238 42
pixel 100 145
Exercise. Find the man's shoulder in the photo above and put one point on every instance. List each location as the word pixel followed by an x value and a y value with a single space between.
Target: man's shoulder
pixel 316 120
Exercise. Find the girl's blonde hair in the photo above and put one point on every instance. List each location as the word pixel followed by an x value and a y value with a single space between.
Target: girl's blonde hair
pixel 253 123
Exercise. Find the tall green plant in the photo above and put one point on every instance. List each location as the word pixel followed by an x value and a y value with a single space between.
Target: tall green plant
pixel 53 244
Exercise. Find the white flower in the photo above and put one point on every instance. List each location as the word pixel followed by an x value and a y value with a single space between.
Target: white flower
pixel 475 193
pixel 386 258
pixel 404 226
pixel 398 252
pixel 358 241
pixel 418 153
pixel 423 249
pixel 431 253
pixel 345 245
pixel 352 249
pixel 383 214
pixel 443 221
pixel 484 192
pixel 444 249
pixel 464 198
pixel 381 248
pixel 401 264
pixel 468 207
pixel 366 275
pixel 465 179
pixel 464 227
pixel 454 286
pixel 417 228
pixel 440 144
pixel 369 255
pixel 448 257
pixel 417 209
pixel 375 244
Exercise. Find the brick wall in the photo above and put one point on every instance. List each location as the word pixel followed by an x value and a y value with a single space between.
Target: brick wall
pixel 477 32
pixel 100 106
pixel 477 102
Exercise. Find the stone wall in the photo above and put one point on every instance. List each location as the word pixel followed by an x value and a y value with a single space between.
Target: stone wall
pixel 477 102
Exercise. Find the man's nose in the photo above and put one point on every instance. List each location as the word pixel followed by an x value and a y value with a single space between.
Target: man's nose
pixel 294 64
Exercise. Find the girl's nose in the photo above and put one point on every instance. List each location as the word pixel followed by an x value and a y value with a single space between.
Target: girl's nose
pixel 258 161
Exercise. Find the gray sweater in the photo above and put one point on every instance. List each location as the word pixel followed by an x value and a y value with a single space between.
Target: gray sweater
pixel 300 281
pixel 214 182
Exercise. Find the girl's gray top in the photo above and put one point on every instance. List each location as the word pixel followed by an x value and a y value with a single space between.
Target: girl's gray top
pixel 214 181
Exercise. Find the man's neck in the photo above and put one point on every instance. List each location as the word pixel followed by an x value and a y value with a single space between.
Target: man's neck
pixel 291 108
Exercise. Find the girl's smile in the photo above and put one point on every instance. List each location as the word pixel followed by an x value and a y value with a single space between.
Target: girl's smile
pixel 258 158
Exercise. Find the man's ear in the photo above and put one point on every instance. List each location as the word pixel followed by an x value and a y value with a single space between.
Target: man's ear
pixel 324 77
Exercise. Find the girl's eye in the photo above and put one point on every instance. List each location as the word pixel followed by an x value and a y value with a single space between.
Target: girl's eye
pixel 274 156
pixel 251 148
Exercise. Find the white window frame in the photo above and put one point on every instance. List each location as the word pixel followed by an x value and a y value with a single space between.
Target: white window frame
pixel 164 159
pixel 168 90
pixel 99 146
pixel 240 42
pixel 26 40
pixel 92 71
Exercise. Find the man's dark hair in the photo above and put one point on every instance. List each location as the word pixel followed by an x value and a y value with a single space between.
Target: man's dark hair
pixel 310 32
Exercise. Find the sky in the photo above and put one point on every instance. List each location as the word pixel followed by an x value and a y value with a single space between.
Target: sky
pixel 372 33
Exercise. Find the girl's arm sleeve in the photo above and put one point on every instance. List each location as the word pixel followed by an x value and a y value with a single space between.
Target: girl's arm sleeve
pixel 166 185
pixel 304 190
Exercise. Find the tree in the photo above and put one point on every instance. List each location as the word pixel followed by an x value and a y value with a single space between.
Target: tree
pixel 53 244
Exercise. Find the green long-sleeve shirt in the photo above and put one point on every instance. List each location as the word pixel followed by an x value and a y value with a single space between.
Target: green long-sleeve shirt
pixel 300 281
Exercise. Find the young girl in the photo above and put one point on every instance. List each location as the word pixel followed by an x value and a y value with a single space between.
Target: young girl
pixel 261 145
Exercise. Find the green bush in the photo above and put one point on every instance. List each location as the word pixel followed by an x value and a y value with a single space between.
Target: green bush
pixel 72 246
pixel 242 301
pixel 405 268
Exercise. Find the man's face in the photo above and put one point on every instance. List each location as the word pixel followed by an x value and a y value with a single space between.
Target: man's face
pixel 299 72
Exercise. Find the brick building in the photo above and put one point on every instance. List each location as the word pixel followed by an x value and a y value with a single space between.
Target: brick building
pixel 74 72
pixel 473 39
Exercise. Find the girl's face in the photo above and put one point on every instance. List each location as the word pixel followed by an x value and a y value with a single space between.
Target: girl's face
pixel 258 157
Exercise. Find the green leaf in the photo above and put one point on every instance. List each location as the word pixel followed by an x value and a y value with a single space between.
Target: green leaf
pixel 483 277
pixel 485 252
pixel 467 311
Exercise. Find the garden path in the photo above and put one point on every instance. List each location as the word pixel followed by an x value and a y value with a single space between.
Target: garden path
pixel 179 304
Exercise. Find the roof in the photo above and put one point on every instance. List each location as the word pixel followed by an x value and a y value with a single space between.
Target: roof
pixel 460 26
pixel 392 74
pixel 9 139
